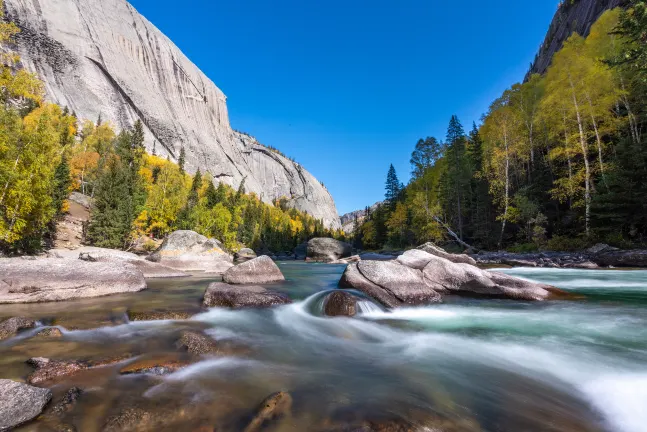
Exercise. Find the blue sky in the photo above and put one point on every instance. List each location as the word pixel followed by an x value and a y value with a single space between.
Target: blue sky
pixel 347 87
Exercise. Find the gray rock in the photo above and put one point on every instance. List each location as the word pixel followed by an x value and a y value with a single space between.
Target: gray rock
pixel 245 254
pixel 12 326
pixel 189 251
pixel 44 280
pixel 418 277
pixel 405 283
pixel 151 270
pixel 101 57
pixel 328 249
pixel 49 370
pixel 352 278
pixel 257 271
pixel 20 403
pixel 352 259
pixel 220 294
pixel 620 258
pixel 340 303
pixel 456 258
pixel 82 200
pixel 371 256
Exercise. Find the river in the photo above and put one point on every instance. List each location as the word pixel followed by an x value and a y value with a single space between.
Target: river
pixel 480 365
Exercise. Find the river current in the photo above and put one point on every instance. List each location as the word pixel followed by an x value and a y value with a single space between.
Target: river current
pixel 483 365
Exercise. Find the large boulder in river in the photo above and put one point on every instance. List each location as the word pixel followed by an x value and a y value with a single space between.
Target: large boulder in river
pixel 456 258
pixel 418 277
pixel 220 294
pixel 340 303
pixel 328 249
pixel 621 258
pixel 260 270
pixel 245 254
pixel 44 279
pixel 151 270
pixel 20 403
pixel 190 251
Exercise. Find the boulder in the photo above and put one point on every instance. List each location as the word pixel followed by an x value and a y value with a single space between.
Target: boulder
pixel 190 251
pixel 301 251
pixel 49 333
pixel 328 249
pixel 159 315
pixel 371 256
pixel 340 303
pixel 220 294
pixel 12 326
pixel 20 403
pixel 257 271
pixel 43 279
pixel 245 254
pixel 456 258
pixel 197 343
pixel 418 277
pixel 273 408
pixel 352 259
pixel 151 270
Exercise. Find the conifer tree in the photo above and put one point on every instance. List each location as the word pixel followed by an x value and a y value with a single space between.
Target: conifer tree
pixel 393 186
pixel 181 159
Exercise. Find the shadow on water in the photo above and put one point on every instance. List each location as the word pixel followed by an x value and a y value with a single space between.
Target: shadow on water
pixel 465 365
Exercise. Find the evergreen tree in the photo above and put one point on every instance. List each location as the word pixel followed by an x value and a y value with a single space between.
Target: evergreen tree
pixel 61 186
pixel 424 156
pixel 181 160
pixel 456 178
pixel 480 203
pixel 393 186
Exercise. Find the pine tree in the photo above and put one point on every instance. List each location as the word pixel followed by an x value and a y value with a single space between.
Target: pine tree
pixel 480 203
pixel 455 181
pixel 61 186
pixel 393 186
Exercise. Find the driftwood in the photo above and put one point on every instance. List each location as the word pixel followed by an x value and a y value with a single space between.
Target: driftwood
pixel 453 234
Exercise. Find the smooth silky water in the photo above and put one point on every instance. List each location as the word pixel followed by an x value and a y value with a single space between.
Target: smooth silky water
pixel 488 365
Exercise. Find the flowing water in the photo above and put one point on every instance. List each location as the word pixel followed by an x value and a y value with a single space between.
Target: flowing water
pixel 471 364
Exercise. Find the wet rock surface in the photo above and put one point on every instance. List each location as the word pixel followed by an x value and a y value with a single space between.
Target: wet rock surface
pixel 245 254
pixel 220 294
pixel 327 250
pixel 49 370
pixel 20 403
pixel 340 303
pixel 275 407
pixel 44 280
pixel 259 270
pixel 12 326
pixel 159 315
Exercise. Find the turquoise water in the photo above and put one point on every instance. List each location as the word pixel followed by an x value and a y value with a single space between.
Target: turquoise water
pixel 494 365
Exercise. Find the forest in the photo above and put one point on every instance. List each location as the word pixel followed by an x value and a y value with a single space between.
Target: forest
pixel 559 161
pixel 46 153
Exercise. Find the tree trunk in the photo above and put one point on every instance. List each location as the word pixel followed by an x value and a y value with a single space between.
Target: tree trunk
pixel 587 168
pixel 599 142
pixel 507 186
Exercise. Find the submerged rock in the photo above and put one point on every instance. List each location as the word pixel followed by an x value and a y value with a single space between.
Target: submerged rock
pixel 220 294
pixel 273 408
pixel 418 277
pixel 340 303
pixel 440 252
pixel 44 280
pixel 50 332
pixel 256 271
pixel 190 251
pixel 20 403
pixel 47 370
pixel 159 315
pixel 328 249
pixel 12 326
pixel 155 365
pixel 67 402
pixel 245 254
pixel 197 343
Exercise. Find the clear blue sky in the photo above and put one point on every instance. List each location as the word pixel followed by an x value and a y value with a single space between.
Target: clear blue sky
pixel 348 87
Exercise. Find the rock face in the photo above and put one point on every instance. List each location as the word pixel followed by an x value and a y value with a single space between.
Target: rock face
pixel 101 57
pixel 190 251
pixel 45 279
pixel 20 403
pixel 328 249
pixel 571 17
pixel 618 258
pixel 220 294
pixel 348 219
pixel 418 277
pixel 257 271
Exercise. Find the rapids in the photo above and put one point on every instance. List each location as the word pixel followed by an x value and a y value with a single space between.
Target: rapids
pixel 502 365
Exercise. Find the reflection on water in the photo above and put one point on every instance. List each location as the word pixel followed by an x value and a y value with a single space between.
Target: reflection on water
pixel 488 365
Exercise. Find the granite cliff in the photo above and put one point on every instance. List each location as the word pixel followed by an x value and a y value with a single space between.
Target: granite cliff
pixel 101 57
pixel 571 16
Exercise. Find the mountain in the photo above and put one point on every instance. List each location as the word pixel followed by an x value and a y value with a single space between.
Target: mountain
pixel 348 220
pixel 571 16
pixel 101 58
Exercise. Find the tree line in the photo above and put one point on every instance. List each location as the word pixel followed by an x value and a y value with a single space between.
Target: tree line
pixel 558 161
pixel 46 153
